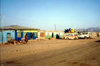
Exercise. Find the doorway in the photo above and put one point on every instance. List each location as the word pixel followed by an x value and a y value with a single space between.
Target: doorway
pixel 8 36
pixel 31 35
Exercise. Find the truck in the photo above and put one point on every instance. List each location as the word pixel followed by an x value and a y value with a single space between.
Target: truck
pixel 84 35
pixel 71 36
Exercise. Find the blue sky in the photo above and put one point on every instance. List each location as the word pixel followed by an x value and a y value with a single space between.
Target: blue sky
pixel 44 14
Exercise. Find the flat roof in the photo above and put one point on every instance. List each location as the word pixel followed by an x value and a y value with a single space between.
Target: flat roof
pixel 17 27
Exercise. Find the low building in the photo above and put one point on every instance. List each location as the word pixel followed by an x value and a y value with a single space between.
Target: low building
pixel 6 35
pixel 17 32
pixel 50 34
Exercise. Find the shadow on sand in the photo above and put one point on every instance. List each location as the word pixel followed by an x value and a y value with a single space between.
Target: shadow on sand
pixel 97 41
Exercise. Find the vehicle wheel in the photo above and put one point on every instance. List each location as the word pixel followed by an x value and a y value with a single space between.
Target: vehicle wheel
pixel 76 38
pixel 88 37
pixel 85 37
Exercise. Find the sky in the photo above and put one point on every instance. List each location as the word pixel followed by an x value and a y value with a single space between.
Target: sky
pixel 48 14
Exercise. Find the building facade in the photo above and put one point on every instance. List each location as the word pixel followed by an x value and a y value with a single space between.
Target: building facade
pixel 6 35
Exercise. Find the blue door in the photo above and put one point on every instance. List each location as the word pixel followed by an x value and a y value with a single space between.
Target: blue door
pixel 28 34
pixel 34 37
pixel 18 38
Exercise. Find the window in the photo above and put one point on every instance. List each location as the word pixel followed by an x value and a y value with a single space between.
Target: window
pixel 19 34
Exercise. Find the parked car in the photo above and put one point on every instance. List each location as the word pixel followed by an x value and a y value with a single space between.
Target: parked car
pixel 70 36
pixel 84 35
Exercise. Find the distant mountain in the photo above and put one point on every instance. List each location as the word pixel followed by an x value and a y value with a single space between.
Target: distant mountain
pixel 13 27
pixel 91 29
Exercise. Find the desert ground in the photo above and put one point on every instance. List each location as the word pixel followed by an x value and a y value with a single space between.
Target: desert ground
pixel 58 52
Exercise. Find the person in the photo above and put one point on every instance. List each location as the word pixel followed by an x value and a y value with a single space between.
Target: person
pixel 26 38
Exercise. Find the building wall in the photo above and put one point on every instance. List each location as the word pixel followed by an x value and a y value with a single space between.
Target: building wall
pixel 48 35
pixel 53 34
pixel 18 35
pixel 34 34
pixel 0 37
pixel 4 33
pixel 41 34
pixel 56 35
pixel 21 34
pixel 61 34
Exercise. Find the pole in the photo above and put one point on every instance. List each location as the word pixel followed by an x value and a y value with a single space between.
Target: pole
pixel 2 18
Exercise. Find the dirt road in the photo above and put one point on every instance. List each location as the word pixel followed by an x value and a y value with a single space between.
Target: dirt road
pixel 53 53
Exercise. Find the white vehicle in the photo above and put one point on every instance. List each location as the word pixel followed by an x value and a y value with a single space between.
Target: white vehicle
pixel 84 35
pixel 71 36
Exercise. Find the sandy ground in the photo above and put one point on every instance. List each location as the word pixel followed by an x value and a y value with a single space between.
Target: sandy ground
pixel 84 52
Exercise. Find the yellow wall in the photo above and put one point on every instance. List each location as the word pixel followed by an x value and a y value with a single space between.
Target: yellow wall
pixel 27 30
pixel 30 30
pixel 24 33
pixel 19 34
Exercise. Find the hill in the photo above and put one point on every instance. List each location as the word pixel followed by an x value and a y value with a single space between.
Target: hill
pixel 91 29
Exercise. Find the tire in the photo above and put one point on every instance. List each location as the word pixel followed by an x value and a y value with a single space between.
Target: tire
pixel 85 37
pixel 76 38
